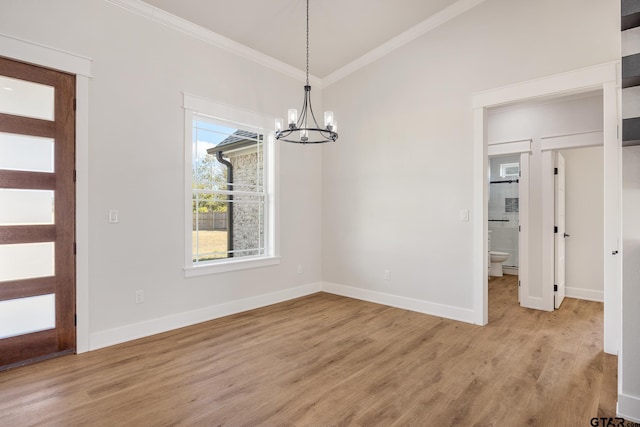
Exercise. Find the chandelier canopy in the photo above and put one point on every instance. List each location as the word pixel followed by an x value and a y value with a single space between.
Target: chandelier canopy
pixel 304 128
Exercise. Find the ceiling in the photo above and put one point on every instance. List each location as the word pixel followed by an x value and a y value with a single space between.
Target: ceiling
pixel 340 30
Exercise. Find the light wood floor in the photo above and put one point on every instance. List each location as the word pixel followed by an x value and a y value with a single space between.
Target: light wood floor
pixel 326 360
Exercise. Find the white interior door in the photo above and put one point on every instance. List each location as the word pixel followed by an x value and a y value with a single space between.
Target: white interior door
pixel 560 231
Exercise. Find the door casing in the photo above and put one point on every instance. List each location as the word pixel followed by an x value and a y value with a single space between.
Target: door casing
pixel 80 66
pixel 602 77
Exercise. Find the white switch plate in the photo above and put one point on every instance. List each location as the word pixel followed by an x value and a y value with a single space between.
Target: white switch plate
pixel 387 275
pixel 113 216
pixel 464 214
pixel 139 297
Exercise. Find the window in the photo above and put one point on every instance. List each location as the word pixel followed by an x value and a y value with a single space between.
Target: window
pixel 509 170
pixel 230 212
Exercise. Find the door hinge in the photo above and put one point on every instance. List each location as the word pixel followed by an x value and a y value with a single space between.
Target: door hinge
pixel 74 104
pixel 74 175
pixel 519 284
pixel 555 288
pixel 519 228
pixel 555 171
pixel 75 320
pixel 555 229
pixel 75 248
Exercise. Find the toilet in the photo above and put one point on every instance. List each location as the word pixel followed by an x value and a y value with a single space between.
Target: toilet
pixel 496 259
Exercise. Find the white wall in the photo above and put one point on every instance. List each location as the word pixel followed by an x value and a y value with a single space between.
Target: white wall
pixel 629 382
pixel 536 121
pixel 585 223
pixel 140 69
pixel 394 184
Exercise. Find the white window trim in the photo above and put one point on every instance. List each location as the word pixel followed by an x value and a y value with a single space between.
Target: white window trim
pixel 192 105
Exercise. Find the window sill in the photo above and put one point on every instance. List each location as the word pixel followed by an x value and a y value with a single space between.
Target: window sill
pixel 235 265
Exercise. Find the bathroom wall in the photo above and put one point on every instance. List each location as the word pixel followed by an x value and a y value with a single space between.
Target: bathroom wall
pixel 504 211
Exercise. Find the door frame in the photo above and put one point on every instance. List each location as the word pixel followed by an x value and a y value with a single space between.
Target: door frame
pixel 558 236
pixel 49 57
pixel 601 77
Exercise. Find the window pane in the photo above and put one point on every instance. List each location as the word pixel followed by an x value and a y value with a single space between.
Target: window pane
pixel 26 261
pixel 208 171
pixel 23 98
pixel 210 234
pixel 25 315
pixel 228 179
pixel 247 168
pixel 26 153
pixel 248 225
pixel 22 207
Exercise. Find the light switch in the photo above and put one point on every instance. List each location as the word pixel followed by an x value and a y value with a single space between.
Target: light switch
pixel 113 216
pixel 464 214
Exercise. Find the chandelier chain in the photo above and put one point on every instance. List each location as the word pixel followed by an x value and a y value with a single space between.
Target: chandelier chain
pixel 307 42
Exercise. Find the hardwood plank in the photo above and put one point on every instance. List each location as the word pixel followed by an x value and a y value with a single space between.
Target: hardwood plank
pixel 329 360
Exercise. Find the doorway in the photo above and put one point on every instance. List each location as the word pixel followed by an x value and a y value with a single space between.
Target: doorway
pixel 37 213
pixel 603 78
pixel 504 222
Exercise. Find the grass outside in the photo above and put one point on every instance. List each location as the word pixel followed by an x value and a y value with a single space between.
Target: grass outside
pixel 207 242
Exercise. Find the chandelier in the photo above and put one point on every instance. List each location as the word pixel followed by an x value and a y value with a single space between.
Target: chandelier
pixel 304 128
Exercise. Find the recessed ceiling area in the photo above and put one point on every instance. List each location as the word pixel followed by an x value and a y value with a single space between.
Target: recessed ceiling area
pixel 340 30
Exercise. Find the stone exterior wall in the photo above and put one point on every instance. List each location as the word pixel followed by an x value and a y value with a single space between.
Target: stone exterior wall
pixel 248 216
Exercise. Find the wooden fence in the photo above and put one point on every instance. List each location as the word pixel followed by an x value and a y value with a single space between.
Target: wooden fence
pixel 211 221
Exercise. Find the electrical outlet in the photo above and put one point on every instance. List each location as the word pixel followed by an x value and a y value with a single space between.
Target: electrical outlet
pixel 139 297
pixel 299 269
pixel 387 275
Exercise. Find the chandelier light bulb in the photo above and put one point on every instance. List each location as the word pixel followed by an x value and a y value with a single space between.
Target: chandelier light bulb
pixel 328 119
pixel 279 124
pixel 293 116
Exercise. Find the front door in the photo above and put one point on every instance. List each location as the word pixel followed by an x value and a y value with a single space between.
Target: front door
pixel 37 213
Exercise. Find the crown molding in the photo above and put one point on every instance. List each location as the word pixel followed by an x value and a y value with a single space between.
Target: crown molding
pixel 176 23
pixel 434 21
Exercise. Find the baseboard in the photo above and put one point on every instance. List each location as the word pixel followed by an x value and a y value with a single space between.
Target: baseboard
pixel 586 294
pixel 155 326
pixel 420 306
pixel 512 271
pixel 629 407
